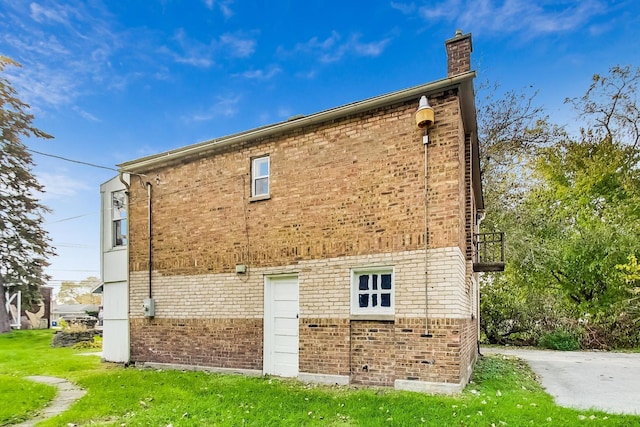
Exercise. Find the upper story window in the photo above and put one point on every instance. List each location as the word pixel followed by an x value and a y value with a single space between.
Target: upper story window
pixel 260 177
pixel 119 218
pixel 372 291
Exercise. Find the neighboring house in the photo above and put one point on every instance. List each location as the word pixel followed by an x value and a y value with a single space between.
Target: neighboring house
pixel 114 270
pixel 71 311
pixel 317 248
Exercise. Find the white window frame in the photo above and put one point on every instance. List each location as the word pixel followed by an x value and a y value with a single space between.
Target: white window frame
pixel 356 273
pixel 118 221
pixel 255 177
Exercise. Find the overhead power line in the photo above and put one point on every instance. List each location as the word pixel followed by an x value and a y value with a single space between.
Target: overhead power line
pixel 72 217
pixel 72 160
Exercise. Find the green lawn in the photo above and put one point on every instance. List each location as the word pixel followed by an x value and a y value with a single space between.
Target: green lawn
pixel 21 397
pixel 503 393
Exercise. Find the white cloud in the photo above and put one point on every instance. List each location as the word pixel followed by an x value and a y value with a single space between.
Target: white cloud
pixel 372 49
pixel 40 89
pixel 316 45
pixel 41 13
pixel 530 19
pixel 238 45
pixel 311 74
pixel 85 114
pixel 58 69
pixel 223 5
pixel 334 48
pixel 202 55
pixel 265 74
pixel 193 59
pixel 405 8
pixel 223 106
pixel 189 51
pixel 58 185
pixel 44 47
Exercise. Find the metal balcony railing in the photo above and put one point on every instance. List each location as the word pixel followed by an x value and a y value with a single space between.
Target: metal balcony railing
pixel 489 249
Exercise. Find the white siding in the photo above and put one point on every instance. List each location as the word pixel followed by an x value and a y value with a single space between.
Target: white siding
pixel 114 271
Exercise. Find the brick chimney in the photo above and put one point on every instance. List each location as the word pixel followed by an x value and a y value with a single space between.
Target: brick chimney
pixel 459 50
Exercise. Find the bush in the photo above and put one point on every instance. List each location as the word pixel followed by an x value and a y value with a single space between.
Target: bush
pixel 612 332
pixel 511 313
pixel 560 339
pixel 96 343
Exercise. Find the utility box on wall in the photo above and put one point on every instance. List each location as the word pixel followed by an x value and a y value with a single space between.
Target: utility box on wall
pixel 149 307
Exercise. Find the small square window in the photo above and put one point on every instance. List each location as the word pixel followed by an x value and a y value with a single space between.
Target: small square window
pixel 372 291
pixel 260 176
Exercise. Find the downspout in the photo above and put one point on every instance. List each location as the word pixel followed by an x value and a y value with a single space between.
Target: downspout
pixel 425 118
pixel 480 215
pixel 126 186
pixel 425 142
pixel 150 237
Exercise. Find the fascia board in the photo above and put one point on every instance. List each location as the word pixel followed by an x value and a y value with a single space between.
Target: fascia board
pixel 204 148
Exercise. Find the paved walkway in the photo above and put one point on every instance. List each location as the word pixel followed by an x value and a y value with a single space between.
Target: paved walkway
pixel 584 379
pixel 66 396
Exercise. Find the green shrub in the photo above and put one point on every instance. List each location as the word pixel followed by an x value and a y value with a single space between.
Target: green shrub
pixel 96 343
pixel 560 339
pixel 612 332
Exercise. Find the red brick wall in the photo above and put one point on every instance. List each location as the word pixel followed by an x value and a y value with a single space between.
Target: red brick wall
pixel 324 346
pixel 352 187
pixel 373 353
pixel 381 352
pixel 469 347
pixel 225 343
pixel 459 50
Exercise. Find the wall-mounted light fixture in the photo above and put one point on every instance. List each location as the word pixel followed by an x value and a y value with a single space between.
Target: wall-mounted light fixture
pixel 425 115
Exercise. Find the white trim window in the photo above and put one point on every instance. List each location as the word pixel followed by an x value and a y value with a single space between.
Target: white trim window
pixel 119 218
pixel 372 291
pixel 260 176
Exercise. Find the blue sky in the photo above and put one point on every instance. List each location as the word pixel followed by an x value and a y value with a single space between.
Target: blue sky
pixel 117 80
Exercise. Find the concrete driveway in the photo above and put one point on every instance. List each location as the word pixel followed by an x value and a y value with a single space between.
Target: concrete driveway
pixel 585 380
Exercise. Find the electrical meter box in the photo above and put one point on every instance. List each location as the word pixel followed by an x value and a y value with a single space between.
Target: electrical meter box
pixel 149 307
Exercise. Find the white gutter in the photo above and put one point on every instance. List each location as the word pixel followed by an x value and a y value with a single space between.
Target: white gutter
pixel 195 150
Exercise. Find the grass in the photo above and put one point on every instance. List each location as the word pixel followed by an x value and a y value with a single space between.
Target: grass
pixel 21 398
pixel 503 392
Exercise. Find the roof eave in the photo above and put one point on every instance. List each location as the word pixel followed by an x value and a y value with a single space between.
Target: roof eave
pixel 195 150
pixel 470 120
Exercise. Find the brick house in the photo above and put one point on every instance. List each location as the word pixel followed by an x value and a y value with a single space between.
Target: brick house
pixel 317 248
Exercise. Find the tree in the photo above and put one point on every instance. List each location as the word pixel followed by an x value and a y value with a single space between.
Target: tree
pixel 513 129
pixel 631 275
pixel 78 293
pixel 585 212
pixel 24 244
pixel 570 207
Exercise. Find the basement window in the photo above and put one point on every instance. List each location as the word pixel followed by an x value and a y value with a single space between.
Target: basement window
pixel 119 218
pixel 372 291
pixel 260 177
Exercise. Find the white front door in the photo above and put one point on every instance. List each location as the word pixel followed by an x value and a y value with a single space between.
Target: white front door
pixel 281 326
